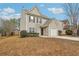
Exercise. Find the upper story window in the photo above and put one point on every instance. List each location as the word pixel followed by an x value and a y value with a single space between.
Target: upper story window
pixel 32 19
pixel 39 20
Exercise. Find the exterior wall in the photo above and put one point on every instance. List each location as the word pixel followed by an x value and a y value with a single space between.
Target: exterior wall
pixel 27 22
pixel 49 33
pixel 35 25
pixel 23 21
pixel 56 24
pixel 44 20
pixel 60 26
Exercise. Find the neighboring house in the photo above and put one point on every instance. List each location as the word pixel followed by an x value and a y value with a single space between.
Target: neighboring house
pixel 34 21
pixel 65 24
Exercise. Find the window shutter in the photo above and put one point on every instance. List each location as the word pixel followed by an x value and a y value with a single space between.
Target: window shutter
pixel 37 19
pixel 29 18
pixel 34 20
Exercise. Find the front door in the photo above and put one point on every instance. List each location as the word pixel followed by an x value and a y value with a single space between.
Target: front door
pixel 41 31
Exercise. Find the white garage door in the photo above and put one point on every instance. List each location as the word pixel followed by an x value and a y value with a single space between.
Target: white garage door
pixel 53 32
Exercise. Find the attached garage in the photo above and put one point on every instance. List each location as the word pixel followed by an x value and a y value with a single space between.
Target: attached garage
pixel 51 28
pixel 54 27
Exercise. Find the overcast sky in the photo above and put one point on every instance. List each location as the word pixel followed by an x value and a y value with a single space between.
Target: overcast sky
pixel 52 10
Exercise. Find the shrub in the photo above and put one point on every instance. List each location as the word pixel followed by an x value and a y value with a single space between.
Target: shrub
pixel 33 34
pixel 59 32
pixel 23 33
pixel 3 33
pixel 0 30
pixel 69 32
pixel 12 33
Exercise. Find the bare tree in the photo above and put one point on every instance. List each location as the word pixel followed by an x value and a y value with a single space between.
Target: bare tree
pixel 72 11
pixel 9 26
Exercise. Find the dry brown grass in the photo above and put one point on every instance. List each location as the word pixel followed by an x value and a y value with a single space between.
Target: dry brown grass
pixel 37 46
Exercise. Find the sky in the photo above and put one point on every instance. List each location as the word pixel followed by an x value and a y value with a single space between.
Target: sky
pixel 13 10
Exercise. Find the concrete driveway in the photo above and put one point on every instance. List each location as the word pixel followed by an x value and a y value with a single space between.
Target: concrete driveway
pixel 64 37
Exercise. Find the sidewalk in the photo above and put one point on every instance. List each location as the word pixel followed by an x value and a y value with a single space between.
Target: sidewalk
pixel 64 37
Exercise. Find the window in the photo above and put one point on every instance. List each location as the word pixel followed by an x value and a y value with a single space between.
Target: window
pixel 40 21
pixel 31 19
pixel 37 19
pixel 31 30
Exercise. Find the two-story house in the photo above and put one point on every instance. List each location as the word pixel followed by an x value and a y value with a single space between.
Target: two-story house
pixel 33 21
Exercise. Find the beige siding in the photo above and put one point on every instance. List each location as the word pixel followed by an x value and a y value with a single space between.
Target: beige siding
pixel 56 24
pixel 23 22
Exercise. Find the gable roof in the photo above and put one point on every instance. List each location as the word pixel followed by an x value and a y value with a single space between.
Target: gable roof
pixel 54 23
pixel 35 11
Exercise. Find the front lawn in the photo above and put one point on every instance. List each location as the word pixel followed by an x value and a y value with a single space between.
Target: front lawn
pixel 37 46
